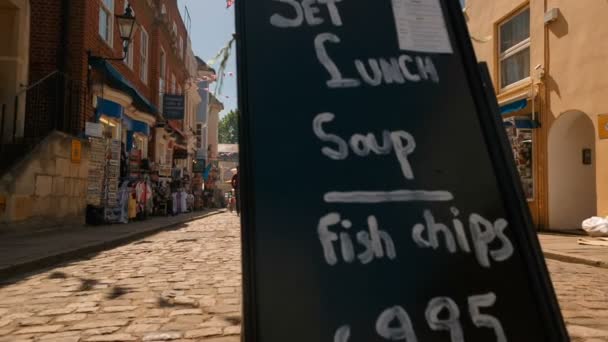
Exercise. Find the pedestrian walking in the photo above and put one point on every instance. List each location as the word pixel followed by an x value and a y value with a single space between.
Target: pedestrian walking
pixel 235 186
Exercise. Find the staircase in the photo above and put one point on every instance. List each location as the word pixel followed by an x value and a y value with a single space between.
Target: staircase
pixel 53 103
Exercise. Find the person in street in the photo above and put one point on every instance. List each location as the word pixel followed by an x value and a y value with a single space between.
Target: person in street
pixel 235 186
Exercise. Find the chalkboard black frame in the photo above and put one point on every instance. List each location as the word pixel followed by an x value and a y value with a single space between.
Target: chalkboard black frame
pixel 498 148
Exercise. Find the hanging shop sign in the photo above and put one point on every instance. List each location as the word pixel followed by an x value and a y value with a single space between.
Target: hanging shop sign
pixel 180 154
pixel 93 129
pixel 76 151
pixel 164 171
pixel 174 107
pixel 412 225
pixel 602 126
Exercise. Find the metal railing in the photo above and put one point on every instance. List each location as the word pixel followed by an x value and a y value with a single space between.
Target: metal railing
pixel 54 102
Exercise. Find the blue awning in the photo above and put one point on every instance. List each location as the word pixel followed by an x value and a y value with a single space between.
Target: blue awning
pixel 109 108
pixel 141 127
pixel 118 81
pixel 513 107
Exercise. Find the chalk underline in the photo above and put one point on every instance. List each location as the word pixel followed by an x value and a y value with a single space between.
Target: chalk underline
pixel 388 196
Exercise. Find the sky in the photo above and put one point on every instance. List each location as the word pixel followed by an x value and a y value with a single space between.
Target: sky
pixel 212 26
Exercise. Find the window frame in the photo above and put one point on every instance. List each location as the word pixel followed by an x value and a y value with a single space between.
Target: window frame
pixel 144 53
pixel 110 21
pixel 181 47
pixel 129 58
pixel 512 51
pixel 112 125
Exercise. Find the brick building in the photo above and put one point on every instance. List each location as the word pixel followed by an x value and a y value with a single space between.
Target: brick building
pixel 156 64
pixel 57 82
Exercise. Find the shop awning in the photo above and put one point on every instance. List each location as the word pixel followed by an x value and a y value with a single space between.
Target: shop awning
pixel 109 108
pixel 141 127
pixel 118 81
pixel 513 106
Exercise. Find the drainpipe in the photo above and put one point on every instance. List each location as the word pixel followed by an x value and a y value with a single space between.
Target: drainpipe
pixel 63 48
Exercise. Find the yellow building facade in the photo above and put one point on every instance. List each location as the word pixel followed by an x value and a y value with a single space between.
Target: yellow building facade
pixel 547 59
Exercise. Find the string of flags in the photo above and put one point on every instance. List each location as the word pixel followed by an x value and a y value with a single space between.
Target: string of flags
pixel 213 78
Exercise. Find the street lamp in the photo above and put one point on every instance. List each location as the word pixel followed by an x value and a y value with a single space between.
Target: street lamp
pixel 127 25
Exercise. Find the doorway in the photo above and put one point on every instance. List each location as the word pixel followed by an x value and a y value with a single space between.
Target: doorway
pixel 14 56
pixel 572 192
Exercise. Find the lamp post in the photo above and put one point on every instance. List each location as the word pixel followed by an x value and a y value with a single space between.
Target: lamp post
pixel 127 25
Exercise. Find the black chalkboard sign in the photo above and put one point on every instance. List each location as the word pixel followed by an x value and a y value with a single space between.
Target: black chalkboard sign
pixel 380 201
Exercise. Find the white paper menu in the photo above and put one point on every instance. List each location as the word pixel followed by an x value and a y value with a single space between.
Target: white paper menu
pixel 421 26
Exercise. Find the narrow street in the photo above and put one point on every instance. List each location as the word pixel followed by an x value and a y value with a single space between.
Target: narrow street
pixel 181 285
pixel 583 295
pixel 184 285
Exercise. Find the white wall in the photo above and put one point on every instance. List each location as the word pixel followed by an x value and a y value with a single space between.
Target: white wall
pixel 572 193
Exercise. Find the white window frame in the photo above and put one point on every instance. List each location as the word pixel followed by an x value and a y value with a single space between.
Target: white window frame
pixel 510 52
pixel 181 47
pixel 144 50
pixel 163 63
pixel 110 13
pixel 111 124
pixel 129 58
pixel 162 153
pixel 162 76
pixel 142 140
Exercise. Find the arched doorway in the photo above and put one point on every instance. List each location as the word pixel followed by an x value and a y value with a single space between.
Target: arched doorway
pixel 572 195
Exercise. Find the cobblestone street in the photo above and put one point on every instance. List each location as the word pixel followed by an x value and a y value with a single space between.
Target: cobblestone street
pixel 583 296
pixel 184 285
pixel 178 285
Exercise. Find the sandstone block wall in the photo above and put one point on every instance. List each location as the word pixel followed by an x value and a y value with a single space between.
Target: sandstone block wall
pixel 46 188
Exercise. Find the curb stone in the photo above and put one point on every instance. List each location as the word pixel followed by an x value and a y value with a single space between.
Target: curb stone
pixel 574 259
pixel 95 247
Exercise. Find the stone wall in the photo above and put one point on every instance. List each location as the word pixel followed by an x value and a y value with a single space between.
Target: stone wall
pixel 46 188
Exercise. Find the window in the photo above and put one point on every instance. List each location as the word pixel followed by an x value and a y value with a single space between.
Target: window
pixel 111 128
pixel 163 63
pixel 143 48
pixel 162 152
pixel 199 135
pixel 181 48
pixel 129 59
pixel 106 21
pixel 161 78
pixel 140 142
pixel 522 144
pixel 514 44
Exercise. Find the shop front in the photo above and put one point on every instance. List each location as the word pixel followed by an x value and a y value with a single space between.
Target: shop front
pixel 520 120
